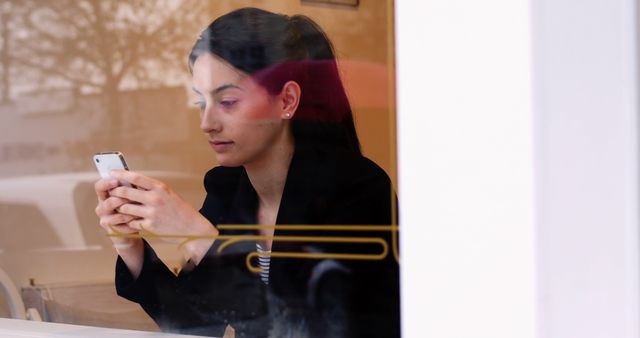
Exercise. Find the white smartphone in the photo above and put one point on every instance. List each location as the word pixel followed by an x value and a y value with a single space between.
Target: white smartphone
pixel 110 160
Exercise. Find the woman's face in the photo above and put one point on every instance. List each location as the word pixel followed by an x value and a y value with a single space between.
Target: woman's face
pixel 242 122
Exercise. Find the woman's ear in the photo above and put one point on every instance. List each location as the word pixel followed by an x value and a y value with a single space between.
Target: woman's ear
pixel 290 98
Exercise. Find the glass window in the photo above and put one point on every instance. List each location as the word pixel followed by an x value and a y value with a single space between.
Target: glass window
pixel 261 149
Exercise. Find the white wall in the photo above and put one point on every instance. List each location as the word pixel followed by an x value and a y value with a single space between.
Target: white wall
pixel 466 168
pixel 518 163
pixel 585 84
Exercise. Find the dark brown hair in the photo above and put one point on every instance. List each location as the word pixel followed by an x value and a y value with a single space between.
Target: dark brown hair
pixel 274 49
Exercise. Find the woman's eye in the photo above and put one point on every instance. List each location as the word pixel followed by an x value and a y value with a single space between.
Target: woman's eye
pixel 228 103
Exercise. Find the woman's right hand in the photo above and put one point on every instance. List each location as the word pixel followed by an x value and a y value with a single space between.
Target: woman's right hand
pixel 113 222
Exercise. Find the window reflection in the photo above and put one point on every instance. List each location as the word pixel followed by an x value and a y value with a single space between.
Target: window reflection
pixel 79 77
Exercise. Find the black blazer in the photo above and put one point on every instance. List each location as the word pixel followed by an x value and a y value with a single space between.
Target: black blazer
pixel 305 297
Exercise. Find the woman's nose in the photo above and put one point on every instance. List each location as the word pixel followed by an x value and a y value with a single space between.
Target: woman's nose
pixel 209 121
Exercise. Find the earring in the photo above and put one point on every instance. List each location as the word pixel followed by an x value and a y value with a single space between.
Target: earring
pixel 287 115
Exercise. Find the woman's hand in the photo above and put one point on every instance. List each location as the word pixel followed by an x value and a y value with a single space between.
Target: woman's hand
pixel 155 208
pixel 112 221
pixel 130 249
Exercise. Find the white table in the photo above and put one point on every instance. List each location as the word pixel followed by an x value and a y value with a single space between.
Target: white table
pixel 17 328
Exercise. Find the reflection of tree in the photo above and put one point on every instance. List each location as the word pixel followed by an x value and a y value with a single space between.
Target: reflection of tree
pixel 105 45
pixel 9 13
pixel 5 62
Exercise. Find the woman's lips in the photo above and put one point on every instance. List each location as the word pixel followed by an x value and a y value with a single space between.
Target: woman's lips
pixel 221 146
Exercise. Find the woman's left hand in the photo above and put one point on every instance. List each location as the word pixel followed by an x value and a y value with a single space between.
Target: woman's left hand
pixel 159 210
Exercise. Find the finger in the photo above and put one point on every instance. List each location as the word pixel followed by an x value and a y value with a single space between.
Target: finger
pixel 132 194
pixel 113 203
pixel 115 220
pixel 120 229
pixel 102 187
pixel 136 210
pixel 139 180
pixel 110 205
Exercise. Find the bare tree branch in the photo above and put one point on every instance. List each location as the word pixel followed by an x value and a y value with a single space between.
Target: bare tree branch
pixel 52 71
pixel 103 44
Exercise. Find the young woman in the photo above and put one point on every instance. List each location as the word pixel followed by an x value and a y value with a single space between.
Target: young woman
pixel 277 117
